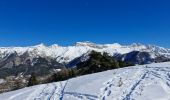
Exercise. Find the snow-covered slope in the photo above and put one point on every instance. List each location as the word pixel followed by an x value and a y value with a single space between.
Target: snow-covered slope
pixel 145 82
pixel 67 54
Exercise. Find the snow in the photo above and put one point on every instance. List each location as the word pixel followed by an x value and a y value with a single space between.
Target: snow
pixel 67 54
pixel 2 81
pixel 142 82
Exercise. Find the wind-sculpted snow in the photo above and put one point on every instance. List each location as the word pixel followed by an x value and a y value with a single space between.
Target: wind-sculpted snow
pixel 144 82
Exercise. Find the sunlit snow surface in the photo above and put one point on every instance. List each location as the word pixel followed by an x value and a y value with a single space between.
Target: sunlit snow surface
pixel 131 83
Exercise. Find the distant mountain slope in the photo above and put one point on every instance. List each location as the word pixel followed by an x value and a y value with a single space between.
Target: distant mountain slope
pixel 149 82
pixel 66 54
pixel 41 58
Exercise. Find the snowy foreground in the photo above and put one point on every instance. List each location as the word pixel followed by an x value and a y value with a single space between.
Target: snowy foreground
pixel 131 83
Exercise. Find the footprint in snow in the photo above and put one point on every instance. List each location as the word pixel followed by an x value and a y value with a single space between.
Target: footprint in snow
pixel 105 89
pixel 110 85
pixel 103 98
pixel 109 92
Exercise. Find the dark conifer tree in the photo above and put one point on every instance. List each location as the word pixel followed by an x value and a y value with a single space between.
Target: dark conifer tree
pixel 32 80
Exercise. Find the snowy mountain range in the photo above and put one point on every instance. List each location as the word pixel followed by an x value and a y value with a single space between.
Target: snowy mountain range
pixel 130 83
pixel 43 59
pixel 17 64
pixel 66 54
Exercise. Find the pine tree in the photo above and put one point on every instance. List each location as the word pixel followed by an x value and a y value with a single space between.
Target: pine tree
pixel 32 80
pixel 99 62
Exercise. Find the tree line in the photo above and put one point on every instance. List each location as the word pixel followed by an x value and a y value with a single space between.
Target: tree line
pixel 97 62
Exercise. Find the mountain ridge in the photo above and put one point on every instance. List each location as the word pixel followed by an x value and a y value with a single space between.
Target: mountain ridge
pixel 65 54
pixel 137 52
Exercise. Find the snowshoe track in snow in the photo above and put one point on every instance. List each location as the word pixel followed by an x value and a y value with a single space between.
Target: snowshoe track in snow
pixel 137 86
pixel 131 83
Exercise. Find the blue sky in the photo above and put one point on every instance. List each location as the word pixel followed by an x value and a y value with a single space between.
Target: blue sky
pixel 30 22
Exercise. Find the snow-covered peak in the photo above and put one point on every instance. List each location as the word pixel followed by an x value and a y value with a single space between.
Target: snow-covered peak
pixel 54 46
pixel 136 44
pixel 40 45
pixel 68 53
pixel 114 45
pixel 86 43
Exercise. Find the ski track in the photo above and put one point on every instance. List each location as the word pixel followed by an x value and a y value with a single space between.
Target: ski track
pixel 153 71
pixel 132 86
pixel 62 91
pixel 82 96
pixel 53 91
pixel 106 91
pixel 47 92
